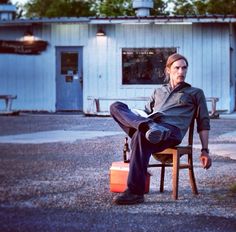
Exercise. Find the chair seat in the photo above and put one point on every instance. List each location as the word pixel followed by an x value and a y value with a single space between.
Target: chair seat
pixel 166 155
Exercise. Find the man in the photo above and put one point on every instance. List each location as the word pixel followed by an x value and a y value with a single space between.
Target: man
pixel 170 111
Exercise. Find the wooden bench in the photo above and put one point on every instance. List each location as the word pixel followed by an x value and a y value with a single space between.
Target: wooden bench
pixel 8 103
pixel 96 102
pixel 213 112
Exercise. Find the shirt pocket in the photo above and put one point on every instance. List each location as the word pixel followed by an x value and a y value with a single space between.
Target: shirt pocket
pixel 184 99
pixel 160 98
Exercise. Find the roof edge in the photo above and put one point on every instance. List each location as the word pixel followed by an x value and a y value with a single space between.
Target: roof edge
pixel 160 19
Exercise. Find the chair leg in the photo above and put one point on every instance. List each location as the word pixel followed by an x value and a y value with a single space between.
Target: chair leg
pixel 175 175
pixel 191 175
pixel 162 178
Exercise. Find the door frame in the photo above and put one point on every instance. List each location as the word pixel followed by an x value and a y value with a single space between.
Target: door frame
pixel 58 50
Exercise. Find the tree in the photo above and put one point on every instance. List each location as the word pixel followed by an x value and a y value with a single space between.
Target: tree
pixel 115 8
pixel 125 8
pixel 184 7
pixel 200 7
pixel 221 7
pixel 59 8
pixel 159 8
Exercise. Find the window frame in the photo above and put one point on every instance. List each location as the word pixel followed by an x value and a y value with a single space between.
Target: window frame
pixel 141 51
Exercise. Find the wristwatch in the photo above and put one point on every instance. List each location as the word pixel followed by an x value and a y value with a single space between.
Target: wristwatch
pixel 205 149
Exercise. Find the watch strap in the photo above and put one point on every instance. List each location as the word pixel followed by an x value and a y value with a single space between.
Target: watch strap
pixel 205 149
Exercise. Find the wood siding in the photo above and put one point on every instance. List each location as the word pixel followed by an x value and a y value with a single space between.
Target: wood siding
pixel 32 77
pixel 206 46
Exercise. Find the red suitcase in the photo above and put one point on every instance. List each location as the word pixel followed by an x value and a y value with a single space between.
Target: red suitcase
pixel 118 177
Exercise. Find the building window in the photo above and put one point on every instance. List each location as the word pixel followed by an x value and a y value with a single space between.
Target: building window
pixel 144 65
pixel 69 63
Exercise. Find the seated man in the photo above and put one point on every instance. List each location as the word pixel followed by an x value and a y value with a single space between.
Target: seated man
pixel 170 111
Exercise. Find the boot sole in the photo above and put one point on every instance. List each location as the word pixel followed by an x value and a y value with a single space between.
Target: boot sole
pixel 156 136
pixel 120 202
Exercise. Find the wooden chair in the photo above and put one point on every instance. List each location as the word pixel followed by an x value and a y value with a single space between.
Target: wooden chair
pixel 170 157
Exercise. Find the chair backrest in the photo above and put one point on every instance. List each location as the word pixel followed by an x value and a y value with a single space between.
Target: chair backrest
pixel 190 132
pixel 191 127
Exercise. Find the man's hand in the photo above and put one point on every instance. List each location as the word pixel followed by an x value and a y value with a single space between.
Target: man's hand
pixel 205 160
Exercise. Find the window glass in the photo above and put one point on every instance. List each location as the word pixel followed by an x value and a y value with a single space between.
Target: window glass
pixel 144 65
pixel 69 63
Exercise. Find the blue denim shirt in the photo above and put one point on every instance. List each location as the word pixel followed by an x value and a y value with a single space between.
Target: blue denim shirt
pixel 177 107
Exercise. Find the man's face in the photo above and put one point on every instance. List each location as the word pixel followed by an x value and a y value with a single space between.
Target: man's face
pixel 177 72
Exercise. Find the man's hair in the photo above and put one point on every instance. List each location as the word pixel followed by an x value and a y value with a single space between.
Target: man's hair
pixel 171 59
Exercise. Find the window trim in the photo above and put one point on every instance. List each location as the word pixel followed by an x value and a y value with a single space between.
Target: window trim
pixel 141 85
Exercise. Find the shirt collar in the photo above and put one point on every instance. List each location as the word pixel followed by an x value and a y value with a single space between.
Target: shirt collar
pixel 177 88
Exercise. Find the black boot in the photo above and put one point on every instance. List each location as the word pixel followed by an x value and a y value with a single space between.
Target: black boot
pixel 128 198
pixel 157 133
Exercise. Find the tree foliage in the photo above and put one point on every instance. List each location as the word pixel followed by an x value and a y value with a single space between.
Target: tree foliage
pixel 159 8
pixel 115 8
pixel 125 8
pixel 79 8
pixel 200 7
pixel 221 7
pixel 59 8
pixel 76 8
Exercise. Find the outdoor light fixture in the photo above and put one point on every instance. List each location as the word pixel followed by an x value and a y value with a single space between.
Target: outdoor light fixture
pixel 100 32
pixel 28 36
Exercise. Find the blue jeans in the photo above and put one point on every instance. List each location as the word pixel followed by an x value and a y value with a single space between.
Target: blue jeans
pixel 141 149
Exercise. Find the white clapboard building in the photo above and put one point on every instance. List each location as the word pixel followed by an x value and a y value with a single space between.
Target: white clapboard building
pixel 84 64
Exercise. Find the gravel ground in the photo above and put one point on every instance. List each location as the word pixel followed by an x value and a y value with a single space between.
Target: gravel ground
pixel 65 186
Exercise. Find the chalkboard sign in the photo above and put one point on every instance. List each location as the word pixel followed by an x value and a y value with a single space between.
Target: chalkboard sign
pixel 23 47
pixel 144 65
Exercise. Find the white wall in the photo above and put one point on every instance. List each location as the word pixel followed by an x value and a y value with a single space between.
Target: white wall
pixel 233 67
pixel 32 77
pixel 206 46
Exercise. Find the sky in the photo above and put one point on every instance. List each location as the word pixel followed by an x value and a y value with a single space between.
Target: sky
pixel 19 1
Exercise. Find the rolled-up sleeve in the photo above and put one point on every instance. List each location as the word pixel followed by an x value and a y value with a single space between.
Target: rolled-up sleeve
pixel 203 120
